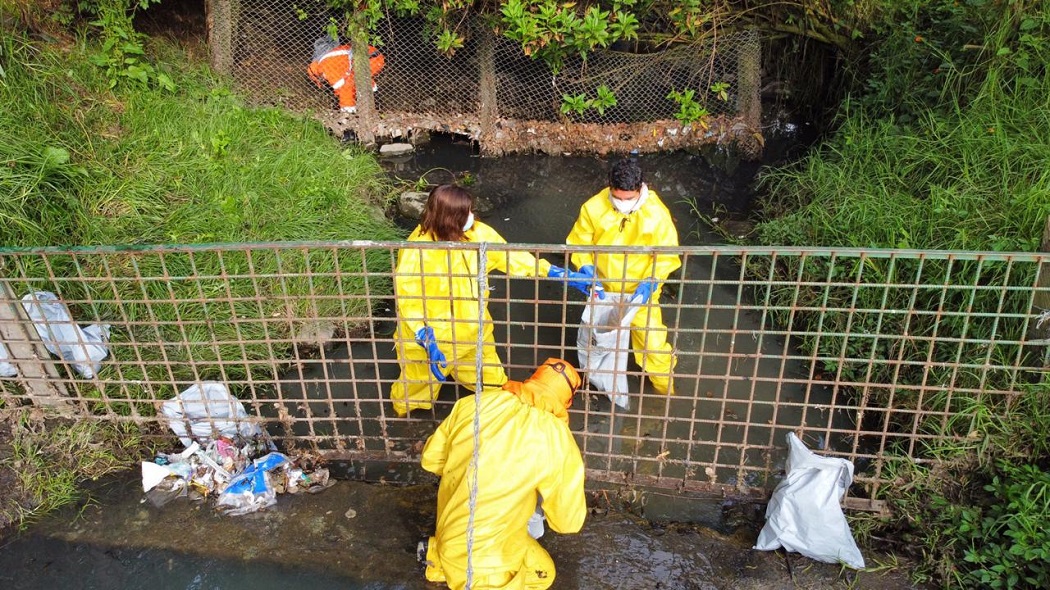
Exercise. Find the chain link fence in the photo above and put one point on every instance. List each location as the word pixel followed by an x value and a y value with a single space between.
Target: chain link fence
pixel 490 91
pixel 867 355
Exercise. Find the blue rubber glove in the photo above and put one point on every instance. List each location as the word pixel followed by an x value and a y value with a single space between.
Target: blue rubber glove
pixel 645 289
pixel 582 280
pixel 425 338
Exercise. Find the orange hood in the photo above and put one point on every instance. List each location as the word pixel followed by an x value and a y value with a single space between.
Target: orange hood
pixel 550 388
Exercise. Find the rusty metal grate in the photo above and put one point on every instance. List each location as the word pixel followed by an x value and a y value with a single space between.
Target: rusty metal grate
pixel 864 354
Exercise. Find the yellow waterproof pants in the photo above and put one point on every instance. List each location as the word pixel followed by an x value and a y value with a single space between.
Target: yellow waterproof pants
pixel 652 352
pixel 416 388
pixel 536 572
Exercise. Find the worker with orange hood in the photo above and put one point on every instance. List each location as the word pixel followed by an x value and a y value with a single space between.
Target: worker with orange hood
pixel 332 67
pixel 525 452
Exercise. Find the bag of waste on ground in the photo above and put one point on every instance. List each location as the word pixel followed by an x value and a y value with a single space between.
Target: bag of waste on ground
pixel 6 368
pixel 207 411
pixel 805 512
pixel 83 347
pixel 604 342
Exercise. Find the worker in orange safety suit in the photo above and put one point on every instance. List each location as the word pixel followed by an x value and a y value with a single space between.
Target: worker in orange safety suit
pixel 332 66
pixel 526 452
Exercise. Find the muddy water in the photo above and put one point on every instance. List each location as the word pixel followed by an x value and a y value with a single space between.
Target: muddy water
pixel 362 536
pixel 536 200
pixel 357 536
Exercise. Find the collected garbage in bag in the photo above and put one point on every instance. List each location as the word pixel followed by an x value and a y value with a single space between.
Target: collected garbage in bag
pixel 226 457
pixel 83 347
pixel 6 368
pixel 206 411
pixel 805 514
pixel 604 342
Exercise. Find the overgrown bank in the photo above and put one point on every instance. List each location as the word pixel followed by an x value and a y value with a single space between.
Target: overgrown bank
pixel 944 144
pixel 154 149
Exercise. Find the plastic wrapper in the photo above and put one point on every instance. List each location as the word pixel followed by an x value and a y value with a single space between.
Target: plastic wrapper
pixel 84 348
pixel 805 512
pixel 6 368
pixel 604 343
pixel 206 412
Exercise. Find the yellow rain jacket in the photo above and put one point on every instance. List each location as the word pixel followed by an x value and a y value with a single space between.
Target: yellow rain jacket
pixel 439 288
pixel 600 224
pixel 524 450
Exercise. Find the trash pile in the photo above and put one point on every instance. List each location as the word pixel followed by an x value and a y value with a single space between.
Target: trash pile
pixel 226 457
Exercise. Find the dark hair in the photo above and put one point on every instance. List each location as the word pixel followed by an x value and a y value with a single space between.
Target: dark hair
pixel 625 175
pixel 446 212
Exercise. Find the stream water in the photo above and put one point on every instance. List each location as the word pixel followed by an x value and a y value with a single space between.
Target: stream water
pixel 361 536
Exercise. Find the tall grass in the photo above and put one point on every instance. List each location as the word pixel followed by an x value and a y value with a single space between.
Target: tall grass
pixel 970 172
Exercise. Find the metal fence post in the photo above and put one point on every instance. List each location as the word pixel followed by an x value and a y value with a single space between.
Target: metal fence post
pixel 36 371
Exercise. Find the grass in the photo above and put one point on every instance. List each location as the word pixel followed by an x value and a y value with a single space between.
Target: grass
pixel 48 458
pixel 83 163
pixel 86 164
pixel 970 174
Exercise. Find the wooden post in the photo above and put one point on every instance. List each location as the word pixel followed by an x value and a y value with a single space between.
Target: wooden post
pixel 36 371
pixel 222 29
pixel 487 87
pixel 367 118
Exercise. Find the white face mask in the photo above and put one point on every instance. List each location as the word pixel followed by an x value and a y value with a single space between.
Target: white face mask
pixel 628 207
pixel 470 221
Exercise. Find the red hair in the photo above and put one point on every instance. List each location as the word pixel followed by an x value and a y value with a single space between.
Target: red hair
pixel 446 212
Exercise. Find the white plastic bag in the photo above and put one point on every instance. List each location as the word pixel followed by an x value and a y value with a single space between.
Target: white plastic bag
pixel 6 368
pixel 805 514
pixel 206 411
pixel 604 342
pixel 83 347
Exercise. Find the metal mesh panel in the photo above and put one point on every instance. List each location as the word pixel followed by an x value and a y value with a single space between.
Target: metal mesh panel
pixel 273 44
pixel 865 354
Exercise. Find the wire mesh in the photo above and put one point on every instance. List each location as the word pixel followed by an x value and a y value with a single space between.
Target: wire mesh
pixel 867 355
pixel 274 40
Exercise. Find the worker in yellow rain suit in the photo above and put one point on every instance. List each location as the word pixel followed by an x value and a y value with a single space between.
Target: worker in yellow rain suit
pixel 332 66
pixel 437 301
pixel 525 450
pixel 628 213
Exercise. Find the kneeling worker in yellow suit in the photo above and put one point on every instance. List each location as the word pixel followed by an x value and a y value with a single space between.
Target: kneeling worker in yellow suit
pixel 526 452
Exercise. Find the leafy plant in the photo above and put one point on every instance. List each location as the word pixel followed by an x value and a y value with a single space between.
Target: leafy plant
pixel 579 103
pixel 122 55
pixel 721 90
pixel 689 110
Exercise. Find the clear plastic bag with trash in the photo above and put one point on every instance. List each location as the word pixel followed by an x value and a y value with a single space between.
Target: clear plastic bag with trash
pixel 205 412
pixel 604 342
pixel 805 513
pixel 84 348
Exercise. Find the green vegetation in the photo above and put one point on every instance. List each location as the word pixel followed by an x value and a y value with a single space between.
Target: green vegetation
pixel 943 144
pixel 47 459
pixel 151 148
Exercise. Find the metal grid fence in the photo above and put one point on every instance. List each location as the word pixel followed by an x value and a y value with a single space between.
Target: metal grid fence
pixel 866 355
pixel 271 44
